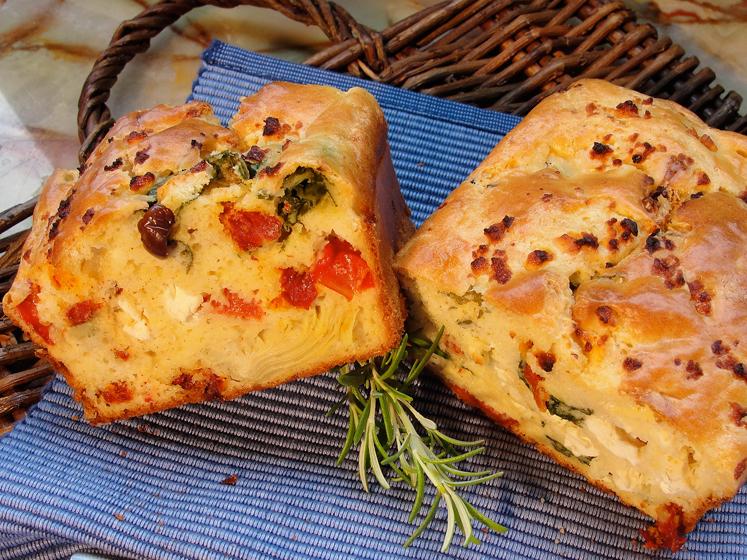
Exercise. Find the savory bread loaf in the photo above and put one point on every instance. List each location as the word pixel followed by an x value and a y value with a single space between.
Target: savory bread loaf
pixel 190 261
pixel 591 275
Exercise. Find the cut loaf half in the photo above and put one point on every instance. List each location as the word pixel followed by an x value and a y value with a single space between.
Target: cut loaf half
pixel 190 261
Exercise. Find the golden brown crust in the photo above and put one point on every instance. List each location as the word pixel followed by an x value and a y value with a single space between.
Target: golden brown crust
pixel 495 415
pixel 89 292
pixel 608 229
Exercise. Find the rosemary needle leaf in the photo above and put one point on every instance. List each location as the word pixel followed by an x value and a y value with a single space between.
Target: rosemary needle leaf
pixel 352 379
pixel 375 466
pixel 457 458
pixel 459 442
pixel 335 407
pixel 472 540
pixel 463 519
pixel 419 494
pixel 475 481
pixel 348 442
pixel 418 368
pixel 401 476
pixel 400 451
pixel 386 420
pixel 423 343
pixel 420 342
pixel 391 434
pixel 396 358
pixel 427 423
pixel 459 472
pixel 362 463
pixel 497 527
pixel 427 521
pixel 396 395
pixel 362 422
pixel 450 524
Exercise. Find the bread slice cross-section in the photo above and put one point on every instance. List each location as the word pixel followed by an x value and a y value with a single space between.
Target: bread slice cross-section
pixel 190 261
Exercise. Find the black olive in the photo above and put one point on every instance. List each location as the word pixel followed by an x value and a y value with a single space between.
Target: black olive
pixel 155 229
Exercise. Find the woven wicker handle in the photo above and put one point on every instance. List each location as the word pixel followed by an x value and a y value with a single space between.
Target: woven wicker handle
pixel 133 37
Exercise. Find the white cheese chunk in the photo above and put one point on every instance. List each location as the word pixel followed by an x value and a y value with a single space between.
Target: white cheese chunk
pixel 606 434
pixel 180 304
pixel 133 322
pixel 183 188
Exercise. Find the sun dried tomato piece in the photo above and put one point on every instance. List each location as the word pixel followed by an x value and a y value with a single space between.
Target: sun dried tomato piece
pixel 605 315
pixel 250 229
pixel 236 306
pixel 341 268
pixel 114 165
pixel 82 312
pixel 535 385
pixel 136 136
pixel 631 364
pixel 142 182
pixel 254 155
pixel 272 125
pixel 29 313
pixel 298 287
pixel 117 392
pixel 88 216
pixel 546 360
pixel 141 156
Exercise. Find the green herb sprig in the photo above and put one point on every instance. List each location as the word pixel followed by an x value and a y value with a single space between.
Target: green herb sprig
pixel 387 428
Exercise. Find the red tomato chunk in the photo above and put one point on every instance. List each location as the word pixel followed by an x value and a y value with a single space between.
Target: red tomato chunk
pixel 341 268
pixel 29 313
pixel 82 312
pixel 249 229
pixel 237 307
pixel 298 288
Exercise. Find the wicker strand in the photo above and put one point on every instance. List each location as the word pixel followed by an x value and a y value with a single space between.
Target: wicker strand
pixel 16 214
pixel 14 380
pixel 133 37
pixel 130 38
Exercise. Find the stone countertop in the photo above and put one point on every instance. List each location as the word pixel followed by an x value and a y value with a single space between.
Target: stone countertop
pixel 715 31
pixel 47 48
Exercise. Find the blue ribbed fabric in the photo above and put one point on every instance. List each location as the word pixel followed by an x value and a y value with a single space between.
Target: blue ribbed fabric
pixel 150 487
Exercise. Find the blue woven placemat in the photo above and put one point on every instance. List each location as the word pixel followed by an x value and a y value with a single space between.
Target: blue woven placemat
pixel 150 487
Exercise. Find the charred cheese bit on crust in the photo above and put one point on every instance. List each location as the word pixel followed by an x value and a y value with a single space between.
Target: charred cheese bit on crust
pixel 190 261
pixel 591 276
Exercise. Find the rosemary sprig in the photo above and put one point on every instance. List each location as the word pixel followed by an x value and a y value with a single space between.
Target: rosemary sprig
pixel 387 429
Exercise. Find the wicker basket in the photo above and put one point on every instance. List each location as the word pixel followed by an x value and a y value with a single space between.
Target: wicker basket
pixel 502 54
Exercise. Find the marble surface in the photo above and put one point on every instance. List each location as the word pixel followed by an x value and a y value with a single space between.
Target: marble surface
pixel 47 48
pixel 715 31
